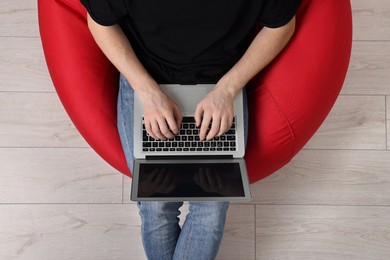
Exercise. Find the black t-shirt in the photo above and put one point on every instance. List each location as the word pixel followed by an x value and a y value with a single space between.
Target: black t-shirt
pixel 191 41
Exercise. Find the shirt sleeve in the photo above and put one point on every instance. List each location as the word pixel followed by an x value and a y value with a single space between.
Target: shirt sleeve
pixel 276 13
pixel 105 12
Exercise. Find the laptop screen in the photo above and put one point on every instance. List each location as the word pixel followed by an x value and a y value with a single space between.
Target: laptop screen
pixel 169 180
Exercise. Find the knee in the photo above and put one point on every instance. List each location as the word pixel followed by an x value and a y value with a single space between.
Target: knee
pixel 211 212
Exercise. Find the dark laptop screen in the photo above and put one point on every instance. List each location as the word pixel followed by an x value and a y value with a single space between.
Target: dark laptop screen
pixel 190 180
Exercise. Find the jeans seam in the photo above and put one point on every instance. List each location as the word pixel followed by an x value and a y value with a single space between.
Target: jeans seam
pixel 188 234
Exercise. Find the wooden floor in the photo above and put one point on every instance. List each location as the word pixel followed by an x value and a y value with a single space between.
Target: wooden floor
pixel 60 200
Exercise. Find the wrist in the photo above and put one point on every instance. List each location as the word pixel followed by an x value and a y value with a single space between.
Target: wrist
pixel 230 84
pixel 145 87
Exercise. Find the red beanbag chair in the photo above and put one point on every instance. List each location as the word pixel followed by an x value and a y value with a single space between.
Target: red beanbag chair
pixel 288 100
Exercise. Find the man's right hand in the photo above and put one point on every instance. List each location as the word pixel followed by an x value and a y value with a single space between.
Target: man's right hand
pixel 162 115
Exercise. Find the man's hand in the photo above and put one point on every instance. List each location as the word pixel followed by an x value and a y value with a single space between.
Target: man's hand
pixel 215 108
pixel 162 115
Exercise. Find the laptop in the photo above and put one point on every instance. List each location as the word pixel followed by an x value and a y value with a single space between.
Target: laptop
pixel 184 168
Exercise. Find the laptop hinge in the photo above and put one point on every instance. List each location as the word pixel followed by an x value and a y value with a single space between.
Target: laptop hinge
pixel 188 157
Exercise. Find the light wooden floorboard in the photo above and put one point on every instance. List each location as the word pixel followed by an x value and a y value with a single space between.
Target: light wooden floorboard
pixel 239 237
pixel 355 122
pixel 23 66
pixel 322 232
pixel 369 70
pixel 36 120
pixel 388 121
pixel 57 175
pixel 371 20
pixel 329 177
pixel 64 232
pixel 18 18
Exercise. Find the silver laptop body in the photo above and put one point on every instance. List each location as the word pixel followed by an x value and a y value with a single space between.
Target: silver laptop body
pixel 187 97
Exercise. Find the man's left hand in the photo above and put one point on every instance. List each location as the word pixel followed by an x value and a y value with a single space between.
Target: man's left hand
pixel 217 108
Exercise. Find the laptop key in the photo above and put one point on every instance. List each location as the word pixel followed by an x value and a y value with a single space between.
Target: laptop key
pixel 231 132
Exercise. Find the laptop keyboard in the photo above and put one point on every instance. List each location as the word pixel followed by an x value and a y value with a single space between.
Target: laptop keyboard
pixel 188 140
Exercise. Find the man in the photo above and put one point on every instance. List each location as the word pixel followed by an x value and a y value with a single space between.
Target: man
pixel 186 42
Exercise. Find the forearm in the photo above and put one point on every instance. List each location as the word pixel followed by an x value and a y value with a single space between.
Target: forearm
pixel 115 45
pixel 264 48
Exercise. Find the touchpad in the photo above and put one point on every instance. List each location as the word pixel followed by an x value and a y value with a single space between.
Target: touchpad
pixel 186 97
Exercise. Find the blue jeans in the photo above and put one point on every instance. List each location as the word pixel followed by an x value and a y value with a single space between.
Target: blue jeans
pixel 162 237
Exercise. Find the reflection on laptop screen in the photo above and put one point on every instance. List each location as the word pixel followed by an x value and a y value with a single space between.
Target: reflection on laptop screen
pixel 190 180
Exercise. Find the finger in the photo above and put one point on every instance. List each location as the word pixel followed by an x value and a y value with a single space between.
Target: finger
pixel 214 128
pixel 204 126
pixel 149 130
pixel 172 125
pixel 165 132
pixel 224 126
pixel 198 115
pixel 178 118
pixel 156 130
